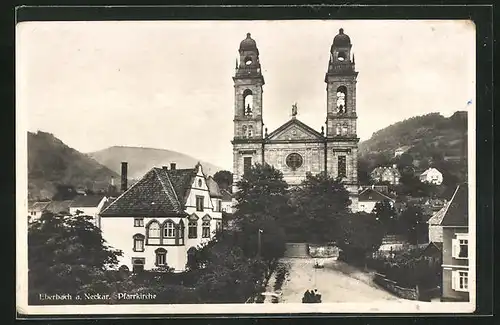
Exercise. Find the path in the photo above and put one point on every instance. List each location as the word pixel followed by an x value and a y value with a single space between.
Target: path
pixel 337 282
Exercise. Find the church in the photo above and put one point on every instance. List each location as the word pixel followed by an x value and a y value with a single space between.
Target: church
pixel 295 148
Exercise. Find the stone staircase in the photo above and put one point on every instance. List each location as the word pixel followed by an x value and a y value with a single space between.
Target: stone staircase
pixel 297 250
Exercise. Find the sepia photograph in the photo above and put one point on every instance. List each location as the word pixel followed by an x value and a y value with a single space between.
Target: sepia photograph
pixel 263 166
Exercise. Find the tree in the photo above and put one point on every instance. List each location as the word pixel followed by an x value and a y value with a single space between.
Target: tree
pixel 384 212
pixel 224 179
pixel 361 234
pixel 262 204
pixel 67 254
pixel 364 172
pixel 64 192
pixel 320 202
pixel 412 224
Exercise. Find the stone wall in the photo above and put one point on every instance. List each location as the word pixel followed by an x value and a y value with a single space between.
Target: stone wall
pixel 391 286
pixel 320 251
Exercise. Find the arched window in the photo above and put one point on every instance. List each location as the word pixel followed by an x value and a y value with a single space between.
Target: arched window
pixel 192 229
pixel 138 243
pixel 248 102
pixel 341 56
pixel 205 229
pixel 161 257
pixel 153 232
pixel 341 99
pixel 250 131
pixel 191 256
pixel 244 131
pixel 344 129
pixel 169 229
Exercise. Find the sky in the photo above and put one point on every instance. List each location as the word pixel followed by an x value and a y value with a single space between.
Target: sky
pixel 168 84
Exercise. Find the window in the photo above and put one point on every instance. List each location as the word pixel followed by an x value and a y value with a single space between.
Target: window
pixel 342 168
pixel 337 129
pixel 250 131
pixel 460 247
pixel 138 222
pixel 344 129
pixel 169 229
pixel 218 226
pixel 341 56
pixel 192 229
pixel 294 161
pixel 138 264
pixel 460 280
pixel 244 131
pixel 247 164
pixel 138 243
pixel 199 203
pixel 153 232
pixel 248 102
pixel 161 257
pixel 341 99
pixel 219 205
pixel 180 230
pixel 205 229
pixel 200 183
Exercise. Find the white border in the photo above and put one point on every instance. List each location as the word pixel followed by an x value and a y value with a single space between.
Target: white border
pixel 396 307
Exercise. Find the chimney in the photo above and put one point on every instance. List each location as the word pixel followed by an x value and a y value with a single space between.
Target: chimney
pixel 172 166
pixel 124 176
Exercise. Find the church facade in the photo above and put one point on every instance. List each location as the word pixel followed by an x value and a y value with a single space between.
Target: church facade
pixel 295 148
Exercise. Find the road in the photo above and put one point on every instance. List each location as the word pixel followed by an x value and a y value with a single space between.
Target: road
pixel 336 282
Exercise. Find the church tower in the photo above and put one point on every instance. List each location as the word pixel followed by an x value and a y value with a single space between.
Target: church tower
pixel 248 123
pixel 341 118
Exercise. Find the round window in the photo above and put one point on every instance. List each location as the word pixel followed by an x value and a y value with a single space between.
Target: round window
pixel 294 160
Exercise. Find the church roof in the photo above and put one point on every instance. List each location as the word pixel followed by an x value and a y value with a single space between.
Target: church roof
pixel 341 39
pixel 294 121
pixel 248 44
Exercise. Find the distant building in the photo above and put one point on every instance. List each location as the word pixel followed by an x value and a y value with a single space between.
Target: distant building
pixel 432 176
pixel 386 174
pixel 369 197
pixel 88 205
pixel 456 248
pixel 401 150
pixel 215 194
pixel 159 221
pixel 435 227
pixel 35 210
pixel 227 201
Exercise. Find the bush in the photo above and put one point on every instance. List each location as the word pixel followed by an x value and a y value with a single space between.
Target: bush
pixel 281 274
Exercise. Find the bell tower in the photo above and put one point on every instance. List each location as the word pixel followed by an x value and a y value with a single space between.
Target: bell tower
pixel 248 124
pixel 341 118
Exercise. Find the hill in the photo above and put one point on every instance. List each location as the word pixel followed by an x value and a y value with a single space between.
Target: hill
pixel 51 162
pixel 140 160
pixel 427 140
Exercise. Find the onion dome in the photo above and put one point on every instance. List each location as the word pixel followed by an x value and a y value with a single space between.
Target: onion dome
pixel 341 40
pixel 248 44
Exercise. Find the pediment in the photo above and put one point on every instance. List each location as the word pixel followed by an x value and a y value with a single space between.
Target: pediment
pixel 294 130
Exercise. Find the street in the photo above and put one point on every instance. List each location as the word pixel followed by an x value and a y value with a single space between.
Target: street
pixel 336 282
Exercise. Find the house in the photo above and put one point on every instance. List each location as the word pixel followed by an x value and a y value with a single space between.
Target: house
pixel 227 201
pixel 35 210
pixel 433 250
pixel 434 222
pixel 368 197
pixel 432 176
pixel 160 220
pixel 88 205
pixel 215 194
pixel 456 250
pixel 401 150
pixel 390 175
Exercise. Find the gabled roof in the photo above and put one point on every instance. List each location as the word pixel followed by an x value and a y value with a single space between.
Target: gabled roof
pixel 226 196
pixel 160 192
pixel 38 206
pixel 58 207
pixel 430 170
pixel 437 218
pixel 213 188
pixel 369 194
pixel 295 122
pixel 458 208
pixel 87 201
